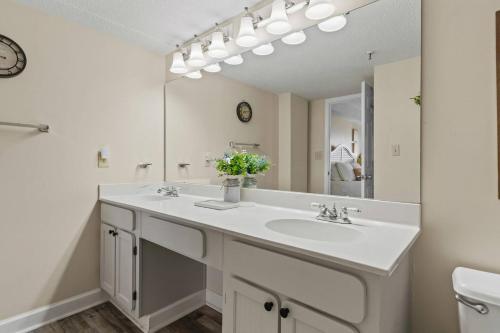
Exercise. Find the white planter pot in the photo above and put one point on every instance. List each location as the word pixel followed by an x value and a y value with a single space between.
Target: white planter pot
pixel 232 190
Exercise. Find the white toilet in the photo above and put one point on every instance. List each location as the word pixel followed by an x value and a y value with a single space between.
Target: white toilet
pixel 478 296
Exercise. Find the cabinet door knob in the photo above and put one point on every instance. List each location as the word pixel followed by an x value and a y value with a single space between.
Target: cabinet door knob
pixel 268 306
pixel 284 312
pixel 111 232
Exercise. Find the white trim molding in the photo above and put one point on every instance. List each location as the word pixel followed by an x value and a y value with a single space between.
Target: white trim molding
pixel 44 315
pixel 214 300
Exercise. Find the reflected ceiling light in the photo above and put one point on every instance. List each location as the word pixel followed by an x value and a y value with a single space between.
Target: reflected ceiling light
pixel 295 38
pixel 263 50
pixel 213 68
pixel 235 60
pixel 246 35
pixel 217 47
pixel 319 9
pixel 333 24
pixel 196 57
pixel 278 22
pixel 194 75
pixel 178 65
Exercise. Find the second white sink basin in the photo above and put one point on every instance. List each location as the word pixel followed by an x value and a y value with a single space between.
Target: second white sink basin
pixel 319 231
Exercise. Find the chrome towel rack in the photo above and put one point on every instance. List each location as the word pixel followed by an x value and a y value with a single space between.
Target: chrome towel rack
pixel 233 144
pixel 41 127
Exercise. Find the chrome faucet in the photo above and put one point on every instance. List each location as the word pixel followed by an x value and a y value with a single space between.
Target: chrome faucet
pixel 169 191
pixel 333 215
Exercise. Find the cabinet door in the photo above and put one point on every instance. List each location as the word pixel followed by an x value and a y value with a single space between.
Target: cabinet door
pixel 125 269
pixel 248 309
pixel 296 318
pixel 108 259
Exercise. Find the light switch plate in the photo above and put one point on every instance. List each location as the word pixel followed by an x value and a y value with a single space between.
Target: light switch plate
pixel 396 150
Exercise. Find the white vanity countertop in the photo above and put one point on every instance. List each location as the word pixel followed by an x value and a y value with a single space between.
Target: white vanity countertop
pixel 379 250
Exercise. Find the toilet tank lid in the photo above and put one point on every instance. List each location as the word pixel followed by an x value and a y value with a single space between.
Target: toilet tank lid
pixel 477 285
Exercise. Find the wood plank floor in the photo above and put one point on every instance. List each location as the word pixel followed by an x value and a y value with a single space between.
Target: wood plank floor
pixel 105 318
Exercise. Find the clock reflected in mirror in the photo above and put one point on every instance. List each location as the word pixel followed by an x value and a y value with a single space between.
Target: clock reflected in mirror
pixel 12 58
pixel 244 112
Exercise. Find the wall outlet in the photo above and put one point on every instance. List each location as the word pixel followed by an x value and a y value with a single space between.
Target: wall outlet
pixel 396 150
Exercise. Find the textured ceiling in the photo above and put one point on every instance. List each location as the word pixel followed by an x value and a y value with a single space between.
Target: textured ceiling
pixel 334 64
pixel 155 24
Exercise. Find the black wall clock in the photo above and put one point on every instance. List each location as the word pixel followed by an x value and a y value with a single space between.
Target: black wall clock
pixel 12 58
pixel 244 112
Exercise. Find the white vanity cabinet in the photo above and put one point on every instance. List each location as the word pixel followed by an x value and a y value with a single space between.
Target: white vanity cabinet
pixel 250 309
pixel 118 255
pixel 307 296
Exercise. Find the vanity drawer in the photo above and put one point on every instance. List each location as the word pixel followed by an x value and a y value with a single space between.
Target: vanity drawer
pixel 119 217
pixel 173 236
pixel 339 294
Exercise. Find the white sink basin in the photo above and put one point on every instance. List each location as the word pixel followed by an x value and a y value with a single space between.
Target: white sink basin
pixel 319 231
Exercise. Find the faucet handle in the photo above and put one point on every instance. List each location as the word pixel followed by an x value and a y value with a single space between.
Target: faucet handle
pixel 344 214
pixel 345 210
pixel 317 205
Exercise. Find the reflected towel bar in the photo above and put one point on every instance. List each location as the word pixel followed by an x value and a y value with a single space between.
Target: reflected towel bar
pixel 41 127
pixel 233 144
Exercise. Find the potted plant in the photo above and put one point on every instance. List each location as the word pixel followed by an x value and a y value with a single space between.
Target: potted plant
pixel 256 164
pixel 233 166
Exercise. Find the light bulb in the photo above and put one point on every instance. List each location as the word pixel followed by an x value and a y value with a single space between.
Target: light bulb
pixel 235 60
pixel 263 50
pixel 178 65
pixel 333 24
pixel 213 68
pixel 194 75
pixel 295 38
pixel 278 22
pixel 246 36
pixel 217 48
pixel 319 9
pixel 196 58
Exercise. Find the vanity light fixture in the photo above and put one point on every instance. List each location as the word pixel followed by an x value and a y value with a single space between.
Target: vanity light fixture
pixel 333 24
pixel 295 38
pixel 264 49
pixel 246 35
pixel 213 68
pixel 234 60
pixel 217 48
pixel 196 57
pixel 194 75
pixel 178 64
pixel 319 9
pixel 278 23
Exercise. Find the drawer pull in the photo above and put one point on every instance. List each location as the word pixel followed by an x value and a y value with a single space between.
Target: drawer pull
pixel 268 306
pixel 284 312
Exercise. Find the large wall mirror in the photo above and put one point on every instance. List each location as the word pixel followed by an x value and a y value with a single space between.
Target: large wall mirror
pixel 337 114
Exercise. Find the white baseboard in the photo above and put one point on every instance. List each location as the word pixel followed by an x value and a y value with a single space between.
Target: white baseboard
pixel 175 311
pixel 214 300
pixel 44 315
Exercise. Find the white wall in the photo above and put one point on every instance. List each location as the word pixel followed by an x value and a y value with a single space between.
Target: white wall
pixel 341 131
pixel 293 142
pixel 316 146
pixel 93 90
pixel 201 118
pixel 460 206
pixel 397 121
